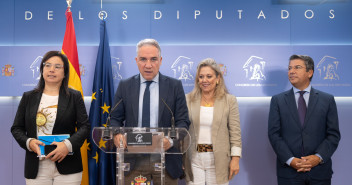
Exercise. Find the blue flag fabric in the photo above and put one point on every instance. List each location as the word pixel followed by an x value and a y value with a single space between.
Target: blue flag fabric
pixel 101 165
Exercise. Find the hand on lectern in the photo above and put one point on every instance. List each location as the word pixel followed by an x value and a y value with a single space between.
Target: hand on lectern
pixel 118 139
pixel 166 144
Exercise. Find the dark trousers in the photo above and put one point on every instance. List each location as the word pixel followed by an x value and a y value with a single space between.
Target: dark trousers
pixel 302 181
pixel 145 168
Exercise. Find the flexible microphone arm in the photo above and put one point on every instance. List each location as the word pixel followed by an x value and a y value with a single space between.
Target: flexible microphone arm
pixel 107 131
pixel 173 130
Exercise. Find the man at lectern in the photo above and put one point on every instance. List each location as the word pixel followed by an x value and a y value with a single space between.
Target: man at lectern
pixel 146 100
pixel 303 128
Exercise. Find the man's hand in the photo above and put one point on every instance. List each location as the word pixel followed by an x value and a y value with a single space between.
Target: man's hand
pixel 119 138
pixel 166 144
pixel 59 153
pixel 294 163
pixel 300 165
pixel 34 146
pixel 310 161
pixel 234 166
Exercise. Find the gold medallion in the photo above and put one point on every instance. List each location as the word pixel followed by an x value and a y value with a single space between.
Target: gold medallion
pixel 207 105
pixel 41 119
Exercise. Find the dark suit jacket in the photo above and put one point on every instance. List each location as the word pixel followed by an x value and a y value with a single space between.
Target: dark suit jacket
pixel 71 110
pixel 320 133
pixel 126 114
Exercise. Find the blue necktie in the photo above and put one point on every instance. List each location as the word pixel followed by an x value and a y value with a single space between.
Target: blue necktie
pixel 302 107
pixel 146 106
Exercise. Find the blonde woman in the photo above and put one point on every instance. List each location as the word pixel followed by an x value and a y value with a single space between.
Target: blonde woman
pixel 216 148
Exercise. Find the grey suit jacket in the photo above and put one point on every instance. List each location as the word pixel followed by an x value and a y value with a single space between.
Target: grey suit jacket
pixel 319 134
pixel 170 90
pixel 226 134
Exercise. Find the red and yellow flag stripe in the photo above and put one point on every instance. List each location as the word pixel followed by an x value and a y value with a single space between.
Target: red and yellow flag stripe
pixel 69 48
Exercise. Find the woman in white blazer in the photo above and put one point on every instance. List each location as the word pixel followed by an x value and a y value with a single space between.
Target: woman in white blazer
pixel 216 148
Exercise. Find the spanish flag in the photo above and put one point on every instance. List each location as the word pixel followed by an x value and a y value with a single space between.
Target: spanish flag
pixel 69 48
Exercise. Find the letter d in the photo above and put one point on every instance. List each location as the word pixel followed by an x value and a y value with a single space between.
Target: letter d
pixel 26 13
pixel 284 14
pixel 159 13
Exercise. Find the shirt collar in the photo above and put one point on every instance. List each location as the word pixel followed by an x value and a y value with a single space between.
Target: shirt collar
pixel 308 89
pixel 155 79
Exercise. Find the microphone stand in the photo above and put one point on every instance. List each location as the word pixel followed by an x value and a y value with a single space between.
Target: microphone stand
pixel 172 130
pixel 107 131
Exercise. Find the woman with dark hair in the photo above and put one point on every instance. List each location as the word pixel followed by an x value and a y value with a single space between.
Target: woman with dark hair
pixel 216 147
pixel 52 109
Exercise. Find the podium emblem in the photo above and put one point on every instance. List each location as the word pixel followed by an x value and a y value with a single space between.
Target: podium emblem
pixel 140 180
pixel 139 139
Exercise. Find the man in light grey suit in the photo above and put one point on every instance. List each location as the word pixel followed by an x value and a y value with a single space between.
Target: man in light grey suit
pixel 303 128
pixel 130 113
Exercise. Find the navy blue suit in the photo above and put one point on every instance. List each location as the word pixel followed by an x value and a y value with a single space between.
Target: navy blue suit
pixel 319 135
pixel 126 114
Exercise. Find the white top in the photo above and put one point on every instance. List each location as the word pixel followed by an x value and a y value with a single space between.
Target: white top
pixel 205 120
pixel 48 109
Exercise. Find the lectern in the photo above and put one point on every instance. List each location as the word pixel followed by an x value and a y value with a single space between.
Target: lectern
pixel 141 141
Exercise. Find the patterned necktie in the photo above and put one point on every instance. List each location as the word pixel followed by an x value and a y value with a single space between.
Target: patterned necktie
pixel 146 106
pixel 302 107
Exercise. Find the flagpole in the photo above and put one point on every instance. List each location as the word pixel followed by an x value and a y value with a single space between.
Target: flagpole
pixel 102 14
pixel 69 2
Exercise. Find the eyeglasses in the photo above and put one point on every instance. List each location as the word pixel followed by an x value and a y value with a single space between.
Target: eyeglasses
pixel 56 66
pixel 295 67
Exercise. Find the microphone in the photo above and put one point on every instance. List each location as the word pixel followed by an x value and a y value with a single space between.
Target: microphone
pixel 173 130
pixel 107 132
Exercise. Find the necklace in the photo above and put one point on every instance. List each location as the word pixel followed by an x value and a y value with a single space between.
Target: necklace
pixel 206 102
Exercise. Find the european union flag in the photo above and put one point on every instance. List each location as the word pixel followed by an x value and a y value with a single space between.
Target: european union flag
pixel 101 165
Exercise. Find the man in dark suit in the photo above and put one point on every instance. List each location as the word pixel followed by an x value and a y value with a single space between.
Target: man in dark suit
pixel 131 112
pixel 303 128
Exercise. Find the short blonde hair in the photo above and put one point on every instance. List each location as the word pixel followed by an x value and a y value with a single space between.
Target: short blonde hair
pixel 220 89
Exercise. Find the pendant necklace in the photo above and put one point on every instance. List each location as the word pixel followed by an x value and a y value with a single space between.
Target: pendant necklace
pixel 206 102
